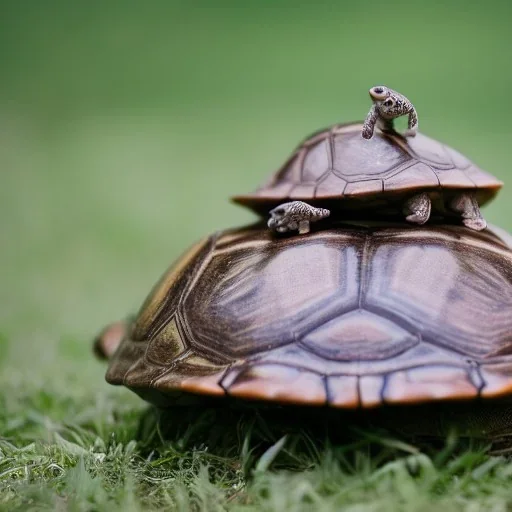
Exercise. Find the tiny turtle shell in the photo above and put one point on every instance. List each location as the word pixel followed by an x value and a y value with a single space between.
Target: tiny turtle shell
pixel 337 169
pixel 359 315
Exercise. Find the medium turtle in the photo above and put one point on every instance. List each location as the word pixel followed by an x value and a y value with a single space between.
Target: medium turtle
pixel 355 316
pixel 368 170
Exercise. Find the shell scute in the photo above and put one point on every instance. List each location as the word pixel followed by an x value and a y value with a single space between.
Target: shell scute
pixel 128 353
pixel 328 183
pixel 277 383
pixel 318 157
pixel 421 174
pixel 357 158
pixel 370 390
pixel 343 391
pixel 302 190
pixel 497 378
pixel 166 345
pixel 143 374
pixel 430 151
pixel 422 384
pixel 454 178
pixel 165 295
pixel 359 335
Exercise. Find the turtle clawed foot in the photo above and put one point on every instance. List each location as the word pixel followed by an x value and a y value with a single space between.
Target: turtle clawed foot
pixel 467 205
pixel 367 132
pixel 295 216
pixel 478 224
pixel 304 227
pixel 417 218
pixel 417 209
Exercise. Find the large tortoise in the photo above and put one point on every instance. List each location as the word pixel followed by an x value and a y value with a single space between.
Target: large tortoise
pixel 384 177
pixel 356 316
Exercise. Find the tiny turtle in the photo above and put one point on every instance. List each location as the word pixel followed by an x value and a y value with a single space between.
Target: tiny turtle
pixel 355 316
pixel 387 106
pixel 368 170
pixel 295 215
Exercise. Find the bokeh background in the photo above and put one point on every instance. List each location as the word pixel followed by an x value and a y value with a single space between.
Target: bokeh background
pixel 125 127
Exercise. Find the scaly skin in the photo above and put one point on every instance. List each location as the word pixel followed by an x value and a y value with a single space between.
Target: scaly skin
pixel 295 216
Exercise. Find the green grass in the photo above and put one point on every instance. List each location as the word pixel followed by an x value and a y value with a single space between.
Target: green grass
pixel 124 129
pixel 103 454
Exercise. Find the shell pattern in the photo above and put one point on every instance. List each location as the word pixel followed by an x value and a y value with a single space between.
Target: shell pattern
pixel 338 163
pixel 376 313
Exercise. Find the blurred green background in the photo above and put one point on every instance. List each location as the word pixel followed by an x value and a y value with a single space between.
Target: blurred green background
pixel 125 126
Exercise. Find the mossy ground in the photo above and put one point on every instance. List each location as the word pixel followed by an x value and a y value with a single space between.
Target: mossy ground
pixel 124 128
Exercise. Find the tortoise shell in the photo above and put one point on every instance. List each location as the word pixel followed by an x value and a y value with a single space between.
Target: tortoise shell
pixel 337 163
pixel 358 315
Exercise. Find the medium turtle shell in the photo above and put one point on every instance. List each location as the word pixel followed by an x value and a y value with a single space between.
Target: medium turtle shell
pixel 358 315
pixel 380 173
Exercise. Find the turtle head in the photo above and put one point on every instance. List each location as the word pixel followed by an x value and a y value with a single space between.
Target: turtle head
pixel 379 92
pixel 389 103
pixel 107 341
pixel 279 216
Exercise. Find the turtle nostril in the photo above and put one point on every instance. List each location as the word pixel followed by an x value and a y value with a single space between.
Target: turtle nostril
pixel 378 90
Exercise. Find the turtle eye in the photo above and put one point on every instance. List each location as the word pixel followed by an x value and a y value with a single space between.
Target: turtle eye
pixel 389 102
pixel 279 211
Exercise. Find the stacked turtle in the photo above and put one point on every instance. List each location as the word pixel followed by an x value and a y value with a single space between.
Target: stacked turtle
pixel 352 171
pixel 370 308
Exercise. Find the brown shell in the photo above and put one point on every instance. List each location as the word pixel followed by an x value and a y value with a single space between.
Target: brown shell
pixel 337 163
pixel 356 315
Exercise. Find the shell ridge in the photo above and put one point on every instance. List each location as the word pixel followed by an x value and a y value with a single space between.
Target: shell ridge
pixel 311 350
pixel 170 367
pixel 359 393
pixel 320 180
pixel 199 271
pixel 482 384
pixel 469 176
pixel 330 150
pixel 364 270
pixel 301 157
pixel 435 174
pixel 384 384
pixel 402 167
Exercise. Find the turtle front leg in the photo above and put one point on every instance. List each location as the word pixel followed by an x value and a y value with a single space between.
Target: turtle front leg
pixel 412 124
pixel 467 205
pixel 370 122
pixel 304 227
pixel 417 208
pixel 295 216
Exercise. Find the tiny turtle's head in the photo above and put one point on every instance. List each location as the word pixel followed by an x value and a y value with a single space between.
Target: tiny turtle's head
pixel 278 216
pixel 379 92
pixel 389 103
